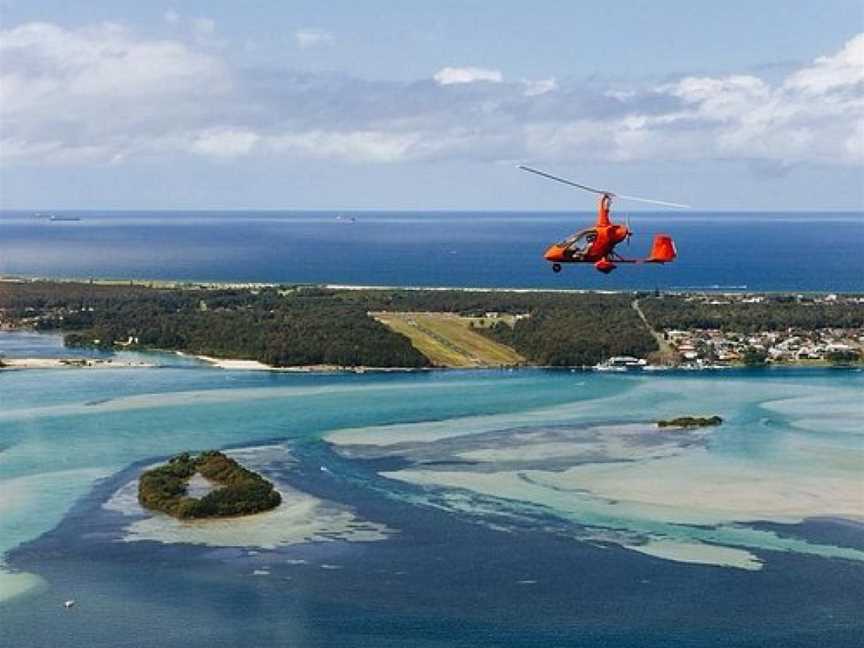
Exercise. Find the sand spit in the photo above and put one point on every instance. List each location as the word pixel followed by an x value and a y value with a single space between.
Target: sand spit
pixel 254 365
pixel 10 364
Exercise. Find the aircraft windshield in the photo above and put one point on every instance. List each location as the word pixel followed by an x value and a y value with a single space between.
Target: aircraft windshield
pixel 580 241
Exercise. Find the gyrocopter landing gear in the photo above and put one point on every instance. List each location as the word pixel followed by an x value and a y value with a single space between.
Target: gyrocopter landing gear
pixel 556 267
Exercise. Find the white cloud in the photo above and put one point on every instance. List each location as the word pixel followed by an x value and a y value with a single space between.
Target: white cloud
pixel 451 75
pixel 101 94
pixel 97 89
pixel 369 146
pixel 813 115
pixel 841 71
pixel 306 38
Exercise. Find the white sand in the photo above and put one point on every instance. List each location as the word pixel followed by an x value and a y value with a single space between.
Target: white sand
pixel 237 365
pixel 696 488
pixel 254 365
pixel 613 442
pixel 699 553
pixel 628 523
pixel 676 490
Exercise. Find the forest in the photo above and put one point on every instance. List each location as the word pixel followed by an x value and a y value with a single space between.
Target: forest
pixel 307 325
pixel 279 328
pixel 301 326
pixel 578 334
pixel 774 313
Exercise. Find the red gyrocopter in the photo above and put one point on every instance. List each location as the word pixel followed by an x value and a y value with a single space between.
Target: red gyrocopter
pixel 597 244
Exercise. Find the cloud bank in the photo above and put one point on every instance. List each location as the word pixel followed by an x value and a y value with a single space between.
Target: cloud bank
pixel 103 94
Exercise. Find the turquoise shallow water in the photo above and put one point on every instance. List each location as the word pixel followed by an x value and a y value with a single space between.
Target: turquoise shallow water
pixel 422 500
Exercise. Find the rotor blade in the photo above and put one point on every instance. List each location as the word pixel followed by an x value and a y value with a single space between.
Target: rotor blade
pixel 653 202
pixel 611 194
pixel 565 181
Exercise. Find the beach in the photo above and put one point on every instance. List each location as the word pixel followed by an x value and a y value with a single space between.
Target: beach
pixel 13 364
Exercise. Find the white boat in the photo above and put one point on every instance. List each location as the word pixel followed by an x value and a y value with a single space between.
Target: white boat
pixel 606 367
pixel 621 363
pixel 69 604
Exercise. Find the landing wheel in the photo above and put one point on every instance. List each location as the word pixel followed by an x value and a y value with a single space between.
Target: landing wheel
pixel 556 267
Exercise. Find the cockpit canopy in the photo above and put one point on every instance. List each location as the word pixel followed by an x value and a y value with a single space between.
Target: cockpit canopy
pixel 580 241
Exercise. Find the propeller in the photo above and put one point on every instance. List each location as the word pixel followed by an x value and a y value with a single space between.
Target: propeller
pixel 601 191
pixel 629 231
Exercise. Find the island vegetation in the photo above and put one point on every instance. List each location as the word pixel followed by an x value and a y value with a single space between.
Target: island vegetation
pixel 240 492
pixel 302 326
pixel 690 421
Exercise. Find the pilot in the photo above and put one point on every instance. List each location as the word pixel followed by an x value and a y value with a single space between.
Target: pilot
pixel 580 245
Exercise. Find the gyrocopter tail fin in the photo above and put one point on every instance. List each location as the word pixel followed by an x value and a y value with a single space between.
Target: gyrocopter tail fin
pixel 663 250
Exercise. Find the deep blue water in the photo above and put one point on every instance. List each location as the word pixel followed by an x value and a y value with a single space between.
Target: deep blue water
pixel 443 582
pixel 757 251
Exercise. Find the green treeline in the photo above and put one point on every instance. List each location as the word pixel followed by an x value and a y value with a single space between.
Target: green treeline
pixel 279 328
pixel 291 325
pixel 586 334
pixel 242 491
pixel 307 325
pixel 775 313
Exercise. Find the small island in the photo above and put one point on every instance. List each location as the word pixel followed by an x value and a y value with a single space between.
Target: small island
pixel 241 491
pixel 690 421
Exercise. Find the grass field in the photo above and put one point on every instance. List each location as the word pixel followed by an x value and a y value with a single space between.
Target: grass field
pixel 448 340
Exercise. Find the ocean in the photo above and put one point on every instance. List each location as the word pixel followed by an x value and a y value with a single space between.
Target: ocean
pixel 445 508
pixel 794 251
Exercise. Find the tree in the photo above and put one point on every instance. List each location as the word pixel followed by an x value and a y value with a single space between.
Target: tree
pixel 753 357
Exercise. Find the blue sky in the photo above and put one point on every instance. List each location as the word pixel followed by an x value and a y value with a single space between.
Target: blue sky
pixel 398 105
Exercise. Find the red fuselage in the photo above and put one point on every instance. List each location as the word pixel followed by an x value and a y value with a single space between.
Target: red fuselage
pixel 594 245
pixel 597 244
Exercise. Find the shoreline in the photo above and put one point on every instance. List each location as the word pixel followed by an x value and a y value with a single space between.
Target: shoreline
pixel 20 364
pixel 233 364
pixel 255 365
pixel 243 357
pixel 192 284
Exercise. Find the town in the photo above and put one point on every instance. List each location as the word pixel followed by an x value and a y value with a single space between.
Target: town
pixel 698 348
